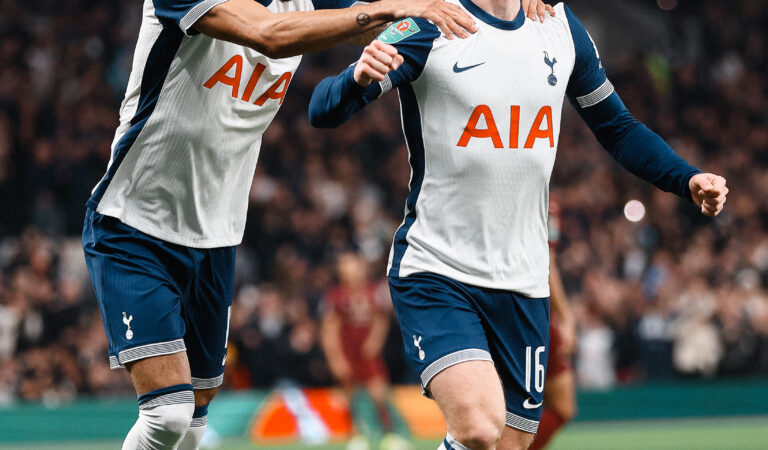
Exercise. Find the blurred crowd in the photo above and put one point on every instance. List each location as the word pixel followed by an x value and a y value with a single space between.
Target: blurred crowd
pixel 673 295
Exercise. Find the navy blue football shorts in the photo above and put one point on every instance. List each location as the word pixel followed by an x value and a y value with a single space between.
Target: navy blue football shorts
pixel 158 298
pixel 445 322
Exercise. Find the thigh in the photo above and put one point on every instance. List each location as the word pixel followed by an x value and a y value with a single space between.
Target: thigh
pixel 517 328
pixel 469 393
pixel 133 276
pixel 438 322
pixel 157 372
pixel 208 310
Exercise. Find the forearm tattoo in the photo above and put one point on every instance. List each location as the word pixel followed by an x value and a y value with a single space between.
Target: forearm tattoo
pixel 363 19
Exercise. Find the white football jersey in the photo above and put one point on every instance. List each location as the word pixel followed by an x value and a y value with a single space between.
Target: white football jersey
pixel 185 151
pixel 481 118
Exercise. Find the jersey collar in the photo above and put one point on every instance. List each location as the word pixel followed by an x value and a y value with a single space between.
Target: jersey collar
pixel 493 21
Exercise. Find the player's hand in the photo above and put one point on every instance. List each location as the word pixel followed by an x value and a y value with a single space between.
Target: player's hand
pixel 340 369
pixel 537 9
pixel 371 348
pixel 708 192
pixel 375 63
pixel 451 19
pixel 568 336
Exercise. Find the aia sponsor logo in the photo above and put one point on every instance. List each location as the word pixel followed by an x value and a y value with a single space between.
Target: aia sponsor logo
pixel 541 128
pixel 230 74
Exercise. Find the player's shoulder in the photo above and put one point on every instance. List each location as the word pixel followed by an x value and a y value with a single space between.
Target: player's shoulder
pixel 410 30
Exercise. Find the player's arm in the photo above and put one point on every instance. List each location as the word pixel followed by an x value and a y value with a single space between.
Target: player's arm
pixel 535 10
pixel 330 342
pixel 381 67
pixel 280 35
pixel 630 142
pixel 559 303
pixel 377 336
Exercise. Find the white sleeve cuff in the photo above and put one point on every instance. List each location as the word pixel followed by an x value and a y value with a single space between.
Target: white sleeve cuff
pixel 194 14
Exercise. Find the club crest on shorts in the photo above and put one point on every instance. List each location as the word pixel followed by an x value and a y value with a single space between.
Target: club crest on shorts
pixel 552 79
pixel 127 322
pixel 417 343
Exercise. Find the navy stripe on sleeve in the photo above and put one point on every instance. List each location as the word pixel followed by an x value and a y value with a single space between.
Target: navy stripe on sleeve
pixel 335 99
pixel 631 143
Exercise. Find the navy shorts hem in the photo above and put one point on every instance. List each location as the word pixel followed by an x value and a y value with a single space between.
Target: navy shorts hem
pixel 451 359
pixel 146 351
pixel 207 383
pixel 521 423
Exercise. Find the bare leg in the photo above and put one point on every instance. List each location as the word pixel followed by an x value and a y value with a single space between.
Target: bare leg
pixel 472 401
pixel 166 402
pixel 514 439
pixel 378 388
pixel 559 407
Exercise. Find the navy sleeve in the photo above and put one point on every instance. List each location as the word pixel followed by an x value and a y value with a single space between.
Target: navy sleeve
pixel 183 14
pixel 631 143
pixel 335 99
pixel 334 4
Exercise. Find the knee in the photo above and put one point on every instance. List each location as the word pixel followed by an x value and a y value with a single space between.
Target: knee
pixel 479 430
pixel 169 423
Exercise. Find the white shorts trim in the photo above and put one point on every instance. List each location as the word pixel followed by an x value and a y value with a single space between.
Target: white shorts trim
pixel 146 351
pixel 521 423
pixel 451 359
pixel 207 383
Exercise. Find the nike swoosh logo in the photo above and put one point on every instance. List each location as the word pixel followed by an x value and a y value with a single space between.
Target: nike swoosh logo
pixel 458 69
pixel 527 404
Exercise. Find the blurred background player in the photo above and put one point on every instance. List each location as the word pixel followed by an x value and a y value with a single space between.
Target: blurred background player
pixel 560 386
pixel 354 330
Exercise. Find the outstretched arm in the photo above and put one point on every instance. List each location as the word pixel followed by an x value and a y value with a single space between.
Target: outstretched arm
pixel 630 142
pixel 280 35
pixel 380 68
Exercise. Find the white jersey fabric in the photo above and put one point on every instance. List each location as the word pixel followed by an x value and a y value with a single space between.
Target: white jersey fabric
pixel 481 117
pixel 185 151
pixel 482 120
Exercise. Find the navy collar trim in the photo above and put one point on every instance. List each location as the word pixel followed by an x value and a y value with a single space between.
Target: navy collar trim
pixel 493 21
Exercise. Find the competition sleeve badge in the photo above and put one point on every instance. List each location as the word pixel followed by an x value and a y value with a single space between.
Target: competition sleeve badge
pixel 399 31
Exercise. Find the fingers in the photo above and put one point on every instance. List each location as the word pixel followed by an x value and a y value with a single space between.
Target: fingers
pixel 530 11
pixel 541 10
pixel 537 10
pixel 452 20
pixel 377 60
pixel 398 61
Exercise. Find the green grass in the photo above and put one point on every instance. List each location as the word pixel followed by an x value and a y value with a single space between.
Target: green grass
pixel 677 434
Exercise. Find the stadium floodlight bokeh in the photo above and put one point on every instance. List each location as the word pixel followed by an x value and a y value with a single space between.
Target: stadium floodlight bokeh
pixel 668 297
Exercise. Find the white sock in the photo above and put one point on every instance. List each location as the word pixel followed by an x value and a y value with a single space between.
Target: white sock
pixel 164 418
pixel 194 436
pixel 451 444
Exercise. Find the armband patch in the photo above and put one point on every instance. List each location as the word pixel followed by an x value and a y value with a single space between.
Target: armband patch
pixel 399 31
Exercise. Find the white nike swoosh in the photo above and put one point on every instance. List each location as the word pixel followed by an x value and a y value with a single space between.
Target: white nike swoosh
pixel 527 404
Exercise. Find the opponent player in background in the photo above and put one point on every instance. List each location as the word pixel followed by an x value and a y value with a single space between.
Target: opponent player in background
pixel 560 386
pixel 469 267
pixel 353 333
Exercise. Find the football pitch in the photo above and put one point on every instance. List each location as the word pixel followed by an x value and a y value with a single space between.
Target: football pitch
pixel 677 434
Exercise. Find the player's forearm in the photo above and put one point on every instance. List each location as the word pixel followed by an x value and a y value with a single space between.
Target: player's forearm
pixel 280 35
pixel 638 149
pixel 336 99
pixel 557 296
